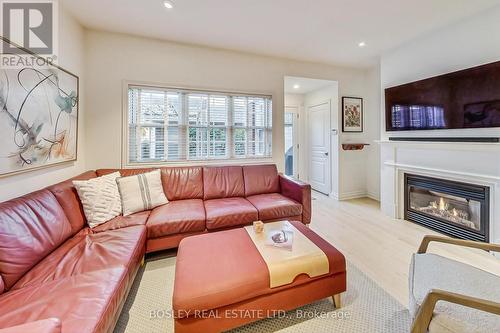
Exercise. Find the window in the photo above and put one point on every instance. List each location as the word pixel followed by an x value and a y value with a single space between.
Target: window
pixel 180 125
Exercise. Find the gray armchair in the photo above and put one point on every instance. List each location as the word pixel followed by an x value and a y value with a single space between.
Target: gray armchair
pixel 450 296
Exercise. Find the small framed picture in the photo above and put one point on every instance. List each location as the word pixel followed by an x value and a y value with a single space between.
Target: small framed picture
pixel 352 114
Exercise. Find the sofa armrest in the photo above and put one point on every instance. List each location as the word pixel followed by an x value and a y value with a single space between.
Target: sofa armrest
pixel 424 316
pixel 300 192
pixel 51 325
pixel 460 242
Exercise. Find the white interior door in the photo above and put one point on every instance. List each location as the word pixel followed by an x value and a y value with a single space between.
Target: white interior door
pixel 319 148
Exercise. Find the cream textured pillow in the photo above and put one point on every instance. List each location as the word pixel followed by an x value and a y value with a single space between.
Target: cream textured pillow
pixel 100 198
pixel 141 192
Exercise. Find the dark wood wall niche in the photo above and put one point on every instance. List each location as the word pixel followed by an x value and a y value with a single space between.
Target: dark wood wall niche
pixel 468 98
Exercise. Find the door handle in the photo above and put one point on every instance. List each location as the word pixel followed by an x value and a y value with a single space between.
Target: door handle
pixel 326 153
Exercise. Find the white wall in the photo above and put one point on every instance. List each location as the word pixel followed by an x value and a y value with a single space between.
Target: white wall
pixel 70 57
pixel 468 43
pixel 113 58
pixel 294 100
pixel 465 44
pixel 359 169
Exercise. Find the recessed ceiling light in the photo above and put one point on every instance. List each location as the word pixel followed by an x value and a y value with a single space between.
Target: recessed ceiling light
pixel 296 86
pixel 361 44
pixel 168 4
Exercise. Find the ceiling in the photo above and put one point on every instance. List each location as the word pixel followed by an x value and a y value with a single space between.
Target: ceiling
pixel 305 85
pixel 326 31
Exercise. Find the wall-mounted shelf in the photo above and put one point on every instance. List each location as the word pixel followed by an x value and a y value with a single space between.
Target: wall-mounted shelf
pixel 354 146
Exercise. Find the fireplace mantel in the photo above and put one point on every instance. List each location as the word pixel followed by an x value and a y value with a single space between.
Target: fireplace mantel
pixel 477 163
pixel 491 180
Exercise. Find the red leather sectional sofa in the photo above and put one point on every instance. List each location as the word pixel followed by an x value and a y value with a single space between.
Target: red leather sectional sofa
pixel 57 275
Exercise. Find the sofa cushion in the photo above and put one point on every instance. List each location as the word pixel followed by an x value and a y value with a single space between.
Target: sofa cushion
pixel 176 217
pixel 261 179
pixel 31 227
pixel 51 325
pixel 89 252
pixel 223 182
pixel 179 183
pixel 183 182
pixel 123 222
pixel 275 206
pixel 229 212
pixel 141 192
pixel 67 196
pixel 430 271
pixel 85 303
pixel 100 198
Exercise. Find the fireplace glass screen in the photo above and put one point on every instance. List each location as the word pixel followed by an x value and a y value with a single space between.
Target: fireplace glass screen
pixel 453 209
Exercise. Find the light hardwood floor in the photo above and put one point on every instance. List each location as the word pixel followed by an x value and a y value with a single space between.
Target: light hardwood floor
pixel 381 246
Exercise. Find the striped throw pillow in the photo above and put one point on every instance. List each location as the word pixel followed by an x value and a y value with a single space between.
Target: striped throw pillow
pixel 141 192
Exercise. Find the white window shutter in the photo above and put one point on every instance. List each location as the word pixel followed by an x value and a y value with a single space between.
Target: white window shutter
pixel 179 125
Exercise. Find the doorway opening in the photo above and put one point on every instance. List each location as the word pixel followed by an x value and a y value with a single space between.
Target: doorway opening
pixel 310 126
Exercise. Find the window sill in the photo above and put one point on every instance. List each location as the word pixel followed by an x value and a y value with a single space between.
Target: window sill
pixel 232 161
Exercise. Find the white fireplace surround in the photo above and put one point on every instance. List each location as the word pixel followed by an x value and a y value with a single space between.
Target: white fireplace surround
pixel 475 163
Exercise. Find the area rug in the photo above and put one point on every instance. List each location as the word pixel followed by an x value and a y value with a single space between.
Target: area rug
pixel 365 307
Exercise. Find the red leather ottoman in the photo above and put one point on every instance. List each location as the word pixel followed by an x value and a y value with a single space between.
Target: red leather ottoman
pixel 222 282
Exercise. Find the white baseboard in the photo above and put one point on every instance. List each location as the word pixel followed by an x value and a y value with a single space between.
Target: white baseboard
pixel 352 195
pixel 373 196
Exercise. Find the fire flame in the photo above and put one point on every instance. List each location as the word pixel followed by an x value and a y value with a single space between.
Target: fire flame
pixel 442 204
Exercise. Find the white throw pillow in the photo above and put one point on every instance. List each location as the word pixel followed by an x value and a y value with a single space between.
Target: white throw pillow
pixel 100 198
pixel 141 192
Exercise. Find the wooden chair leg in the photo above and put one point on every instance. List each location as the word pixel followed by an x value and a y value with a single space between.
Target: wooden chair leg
pixel 142 261
pixel 337 302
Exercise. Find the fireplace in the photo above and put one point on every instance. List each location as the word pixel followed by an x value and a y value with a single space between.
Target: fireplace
pixel 457 209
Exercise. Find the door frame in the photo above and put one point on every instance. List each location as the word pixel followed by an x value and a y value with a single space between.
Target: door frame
pixel 308 123
pixel 295 137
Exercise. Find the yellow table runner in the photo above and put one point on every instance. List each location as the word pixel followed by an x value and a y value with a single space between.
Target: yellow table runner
pixel 285 265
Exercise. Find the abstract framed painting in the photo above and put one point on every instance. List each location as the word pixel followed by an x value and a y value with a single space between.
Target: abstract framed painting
pixel 39 108
pixel 352 114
